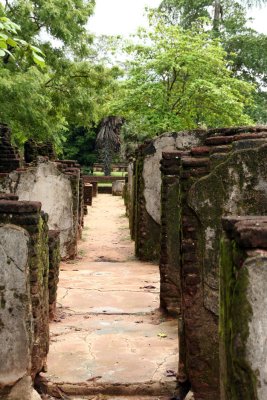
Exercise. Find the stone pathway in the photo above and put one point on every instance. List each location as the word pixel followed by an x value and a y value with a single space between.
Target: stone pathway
pixel 109 339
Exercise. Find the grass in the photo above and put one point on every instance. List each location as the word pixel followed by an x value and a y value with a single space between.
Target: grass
pixel 115 173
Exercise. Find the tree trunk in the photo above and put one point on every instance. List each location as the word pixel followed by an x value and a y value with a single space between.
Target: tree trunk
pixel 217 14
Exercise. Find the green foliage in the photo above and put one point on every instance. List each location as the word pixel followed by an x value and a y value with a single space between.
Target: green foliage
pixel 246 48
pixel 179 79
pixel 80 145
pixel 64 20
pixel 75 85
pixel 9 40
pixel 25 108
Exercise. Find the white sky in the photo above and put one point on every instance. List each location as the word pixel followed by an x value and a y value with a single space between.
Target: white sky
pixel 119 17
pixel 123 17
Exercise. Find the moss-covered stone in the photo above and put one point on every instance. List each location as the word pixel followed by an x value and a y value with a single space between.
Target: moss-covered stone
pixel 238 381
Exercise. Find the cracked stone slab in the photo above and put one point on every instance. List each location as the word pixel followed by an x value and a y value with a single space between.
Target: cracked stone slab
pixel 108 338
pixel 106 349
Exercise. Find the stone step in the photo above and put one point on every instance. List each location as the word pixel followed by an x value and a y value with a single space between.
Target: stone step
pixel 93 390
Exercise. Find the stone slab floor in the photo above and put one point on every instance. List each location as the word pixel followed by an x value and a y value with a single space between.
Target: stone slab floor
pixel 108 338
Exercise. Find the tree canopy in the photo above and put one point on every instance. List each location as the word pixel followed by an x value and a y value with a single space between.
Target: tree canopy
pixel 70 89
pixel 245 47
pixel 191 67
pixel 180 79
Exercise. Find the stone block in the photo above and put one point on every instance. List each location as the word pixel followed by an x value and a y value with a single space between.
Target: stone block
pixel 118 187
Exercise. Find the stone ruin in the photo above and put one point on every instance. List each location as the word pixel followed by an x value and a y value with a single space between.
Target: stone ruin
pixel 9 157
pixel 146 190
pixel 41 212
pixel 24 293
pixel 33 150
pixel 58 191
pixel 243 319
pixel 223 173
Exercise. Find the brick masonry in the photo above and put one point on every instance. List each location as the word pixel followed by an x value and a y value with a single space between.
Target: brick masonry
pixel 9 158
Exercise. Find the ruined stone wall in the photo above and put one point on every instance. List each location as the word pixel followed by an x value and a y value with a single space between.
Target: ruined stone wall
pixel 243 320
pixel 235 184
pixel 24 296
pixel 33 149
pixel 223 176
pixel 9 158
pixel 57 188
pixel 147 200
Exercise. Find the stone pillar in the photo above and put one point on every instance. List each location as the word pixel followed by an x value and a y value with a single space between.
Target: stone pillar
pixel 118 187
pixel 81 208
pixel 170 284
pixel 148 188
pixel 95 188
pixel 199 366
pixel 53 277
pixel 88 194
pixel 243 302
pixel 74 175
pixel 131 197
pixel 16 325
pixel 24 216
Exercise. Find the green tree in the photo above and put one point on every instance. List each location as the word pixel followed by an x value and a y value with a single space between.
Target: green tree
pixel 74 85
pixel 179 79
pixel 81 145
pixel 246 49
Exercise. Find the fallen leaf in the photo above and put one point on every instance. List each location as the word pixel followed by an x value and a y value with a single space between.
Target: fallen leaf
pixel 170 373
pixel 94 378
pixel 162 335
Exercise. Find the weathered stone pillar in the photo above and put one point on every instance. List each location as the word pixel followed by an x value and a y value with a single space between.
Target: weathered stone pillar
pixel 88 194
pixel 131 197
pixel 25 221
pixel 170 283
pixel 16 325
pixel 95 188
pixel 54 261
pixel 148 188
pixel 117 187
pixel 243 304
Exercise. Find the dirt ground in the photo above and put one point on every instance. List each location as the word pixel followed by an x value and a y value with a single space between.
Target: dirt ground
pixel 109 338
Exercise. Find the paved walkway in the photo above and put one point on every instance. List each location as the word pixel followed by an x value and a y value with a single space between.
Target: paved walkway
pixel 109 339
